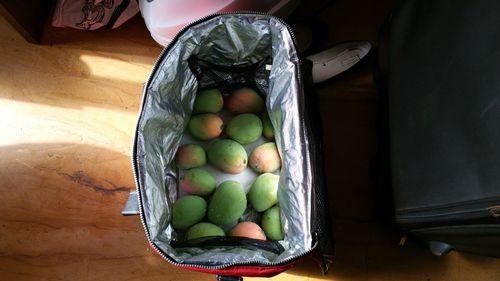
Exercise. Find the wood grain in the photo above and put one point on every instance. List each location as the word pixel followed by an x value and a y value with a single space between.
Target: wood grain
pixel 68 109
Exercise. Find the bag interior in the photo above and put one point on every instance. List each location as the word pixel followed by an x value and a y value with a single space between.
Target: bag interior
pixel 225 51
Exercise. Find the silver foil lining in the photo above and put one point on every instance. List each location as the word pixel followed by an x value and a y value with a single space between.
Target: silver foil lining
pixel 225 40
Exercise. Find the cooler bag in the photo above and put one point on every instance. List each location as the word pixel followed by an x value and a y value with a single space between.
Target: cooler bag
pixel 440 74
pixel 228 51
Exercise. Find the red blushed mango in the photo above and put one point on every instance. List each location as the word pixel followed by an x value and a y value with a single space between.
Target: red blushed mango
pixel 190 156
pixel 265 158
pixel 205 126
pixel 248 229
pixel 197 181
pixel 245 100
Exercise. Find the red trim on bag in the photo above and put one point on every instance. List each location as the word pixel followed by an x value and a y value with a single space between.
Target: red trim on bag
pixel 154 249
pixel 248 271
pixel 243 270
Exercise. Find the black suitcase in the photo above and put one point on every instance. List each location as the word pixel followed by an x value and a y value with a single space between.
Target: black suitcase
pixel 440 73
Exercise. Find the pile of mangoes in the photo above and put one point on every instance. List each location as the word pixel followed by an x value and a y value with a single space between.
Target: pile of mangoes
pixel 209 209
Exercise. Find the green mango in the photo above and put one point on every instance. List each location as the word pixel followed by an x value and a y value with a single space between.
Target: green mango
pixel 187 211
pixel 228 203
pixel 263 193
pixel 271 223
pixel 208 101
pixel 204 229
pixel 267 126
pixel 244 128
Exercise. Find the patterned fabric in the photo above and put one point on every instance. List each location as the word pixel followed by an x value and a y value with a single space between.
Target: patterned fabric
pixel 93 14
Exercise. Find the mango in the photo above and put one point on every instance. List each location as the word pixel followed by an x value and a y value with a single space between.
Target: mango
pixel 245 100
pixel 248 229
pixel 204 229
pixel 208 101
pixel 228 203
pixel 271 223
pixel 228 156
pixel 190 156
pixel 205 126
pixel 187 211
pixel 267 126
pixel 198 181
pixel 244 128
pixel 265 158
pixel 263 193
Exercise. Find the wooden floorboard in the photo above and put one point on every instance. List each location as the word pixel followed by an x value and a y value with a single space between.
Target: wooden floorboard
pixel 68 108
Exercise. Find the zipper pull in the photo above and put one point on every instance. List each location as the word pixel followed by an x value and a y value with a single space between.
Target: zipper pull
pixel 402 241
pixel 494 211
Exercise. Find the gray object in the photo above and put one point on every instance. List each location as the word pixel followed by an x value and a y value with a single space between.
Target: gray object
pixel 132 205
pixel 337 59
pixel 439 248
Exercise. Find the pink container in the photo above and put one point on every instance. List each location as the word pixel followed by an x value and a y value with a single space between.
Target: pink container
pixel 165 18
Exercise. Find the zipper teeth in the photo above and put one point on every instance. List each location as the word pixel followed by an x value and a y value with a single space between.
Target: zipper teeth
pixel 134 158
pixel 472 213
pixel 451 205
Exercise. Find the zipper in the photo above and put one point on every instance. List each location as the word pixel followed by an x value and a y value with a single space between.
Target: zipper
pixel 471 203
pixel 321 228
pixel 452 212
pixel 134 148
pixel 449 217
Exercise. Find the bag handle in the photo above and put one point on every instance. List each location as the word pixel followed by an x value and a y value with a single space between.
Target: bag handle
pixel 229 278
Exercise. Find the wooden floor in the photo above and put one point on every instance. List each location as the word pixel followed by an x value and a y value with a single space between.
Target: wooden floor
pixel 67 114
